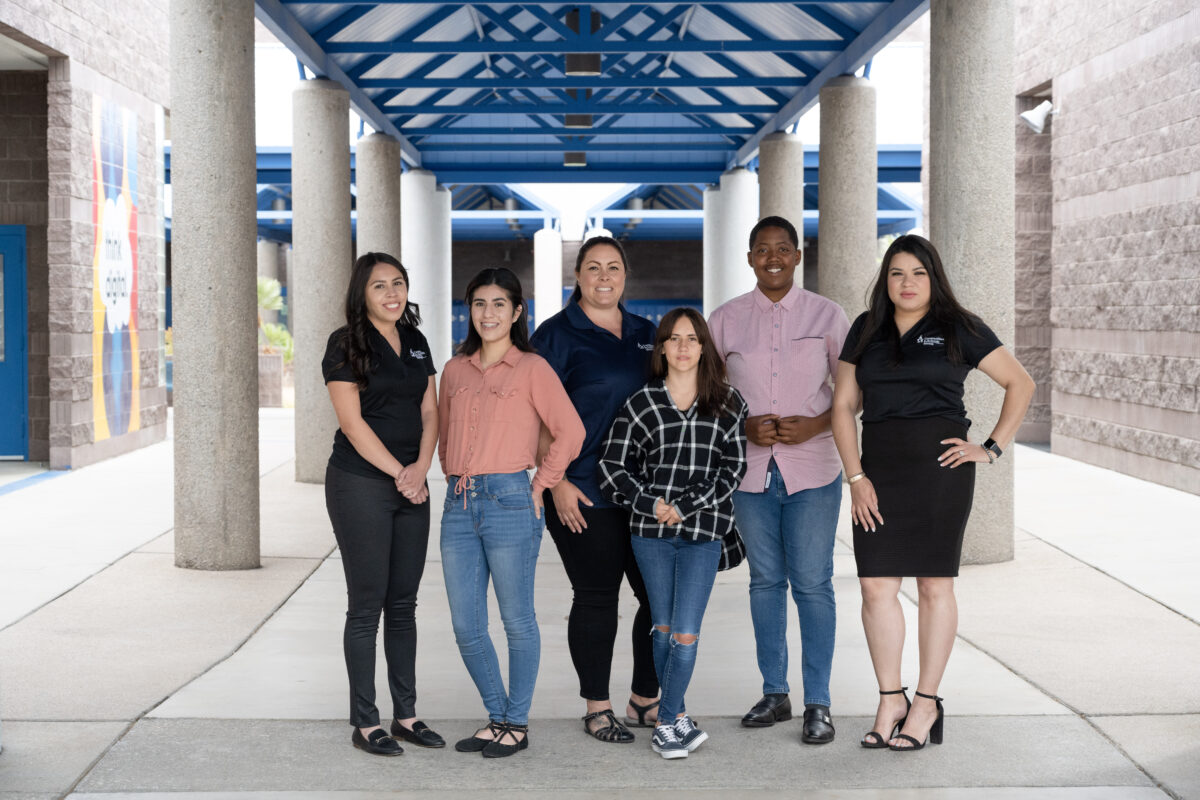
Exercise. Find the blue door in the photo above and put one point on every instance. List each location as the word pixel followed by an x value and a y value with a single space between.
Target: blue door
pixel 14 346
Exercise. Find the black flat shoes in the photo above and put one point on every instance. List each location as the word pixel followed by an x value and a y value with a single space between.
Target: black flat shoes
pixel 818 725
pixel 770 709
pixel 421 734
pixel 376 743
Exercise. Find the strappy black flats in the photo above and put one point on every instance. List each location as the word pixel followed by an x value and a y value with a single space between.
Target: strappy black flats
pixel 875 740
pixel 641 711
pixel 935 732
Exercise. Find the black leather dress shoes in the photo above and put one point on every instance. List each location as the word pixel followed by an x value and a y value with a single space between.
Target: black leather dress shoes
pixel 421 734
pixel 376 743
pixel 818 725
pixel 766 712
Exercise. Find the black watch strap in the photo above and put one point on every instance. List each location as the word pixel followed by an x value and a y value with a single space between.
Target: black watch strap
pixel 991 445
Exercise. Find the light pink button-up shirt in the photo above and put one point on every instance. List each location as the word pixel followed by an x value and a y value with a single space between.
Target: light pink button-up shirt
pixel 782 358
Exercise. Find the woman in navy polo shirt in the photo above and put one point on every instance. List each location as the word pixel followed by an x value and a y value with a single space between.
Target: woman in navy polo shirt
pixel 601 353
pixel 903 363
pixel 380 378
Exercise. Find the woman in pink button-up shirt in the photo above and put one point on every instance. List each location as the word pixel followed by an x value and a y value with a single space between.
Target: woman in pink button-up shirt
pixel 496 396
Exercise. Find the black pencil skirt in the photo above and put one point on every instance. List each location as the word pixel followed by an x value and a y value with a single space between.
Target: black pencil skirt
pixel 924 506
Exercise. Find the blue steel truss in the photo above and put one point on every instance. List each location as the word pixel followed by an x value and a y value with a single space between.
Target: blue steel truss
pixel 479 92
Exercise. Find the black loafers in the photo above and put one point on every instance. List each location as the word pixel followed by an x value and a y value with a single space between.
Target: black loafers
pixel 766 712
pixel 818 725
pixel 421 734
pixel 376 743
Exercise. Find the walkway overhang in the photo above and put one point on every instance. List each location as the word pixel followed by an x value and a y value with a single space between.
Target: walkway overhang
pixel 480 92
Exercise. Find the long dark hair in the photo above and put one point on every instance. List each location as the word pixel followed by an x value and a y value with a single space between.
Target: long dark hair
pixel 506 280
pixel 713 397
pixel 583 251
pixel 358 326
pixel 943 305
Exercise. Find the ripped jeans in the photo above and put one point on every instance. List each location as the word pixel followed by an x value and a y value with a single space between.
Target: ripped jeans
pixel 679 577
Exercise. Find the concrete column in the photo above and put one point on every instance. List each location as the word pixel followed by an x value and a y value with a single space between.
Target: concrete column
pixel 781 179
pixel 547 273
pixel 426 255
pixel 971 217
pixel 847 228
pixel 268 267
pixel 323 256
pixel 377 173
pixel 713 231
pixel 216 353
pixel 440 314
pixel 739 213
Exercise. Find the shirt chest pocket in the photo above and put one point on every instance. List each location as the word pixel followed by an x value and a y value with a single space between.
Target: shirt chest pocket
pixel 460 402
pixel 507 403
pixel 808 360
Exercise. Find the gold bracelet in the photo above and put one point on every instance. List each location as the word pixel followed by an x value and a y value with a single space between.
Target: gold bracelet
pixel 856 478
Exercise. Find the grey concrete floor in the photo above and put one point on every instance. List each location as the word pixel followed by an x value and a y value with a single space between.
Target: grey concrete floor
pixel 123 677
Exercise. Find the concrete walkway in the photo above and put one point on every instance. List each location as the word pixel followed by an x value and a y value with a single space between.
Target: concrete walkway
pixel 121 676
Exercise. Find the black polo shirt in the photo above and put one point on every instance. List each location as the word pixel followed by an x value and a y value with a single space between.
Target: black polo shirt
pixel 599 372
pixel 391 401
pixel 925 383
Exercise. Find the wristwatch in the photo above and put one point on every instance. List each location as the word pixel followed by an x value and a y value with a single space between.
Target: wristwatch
pixel 991 446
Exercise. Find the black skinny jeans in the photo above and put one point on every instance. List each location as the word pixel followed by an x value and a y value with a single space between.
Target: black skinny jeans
pixel 596 561
pixel 383 539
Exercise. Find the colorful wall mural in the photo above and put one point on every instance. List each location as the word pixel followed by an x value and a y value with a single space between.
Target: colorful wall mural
pixel 116 372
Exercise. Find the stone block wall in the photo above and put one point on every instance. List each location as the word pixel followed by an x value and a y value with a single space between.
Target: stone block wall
pixel 23 202
pixel 1125 241
pixel 117 52
pixel 1031 286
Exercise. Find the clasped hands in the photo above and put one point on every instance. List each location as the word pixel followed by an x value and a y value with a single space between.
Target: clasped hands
pixel 765 430
pixel 410 482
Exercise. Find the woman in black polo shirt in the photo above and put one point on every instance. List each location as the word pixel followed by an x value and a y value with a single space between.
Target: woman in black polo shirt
pixel 904 361
pixel 380 378
pixel 601 353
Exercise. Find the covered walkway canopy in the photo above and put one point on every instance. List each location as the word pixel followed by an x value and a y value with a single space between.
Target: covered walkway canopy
pixel 666 93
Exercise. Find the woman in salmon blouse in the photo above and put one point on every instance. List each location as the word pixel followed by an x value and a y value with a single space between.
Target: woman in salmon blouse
pixel 496 394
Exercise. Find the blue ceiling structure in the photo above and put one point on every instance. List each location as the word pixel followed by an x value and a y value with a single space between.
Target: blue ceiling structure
pixel 661 93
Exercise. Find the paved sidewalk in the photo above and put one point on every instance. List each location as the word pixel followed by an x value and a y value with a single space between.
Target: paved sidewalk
pixel 121 676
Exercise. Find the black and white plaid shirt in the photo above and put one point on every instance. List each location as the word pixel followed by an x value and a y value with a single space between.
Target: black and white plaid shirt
pixel 695 463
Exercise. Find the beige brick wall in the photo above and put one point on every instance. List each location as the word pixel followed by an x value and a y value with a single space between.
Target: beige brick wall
pixel 1125 242
pixel 118 51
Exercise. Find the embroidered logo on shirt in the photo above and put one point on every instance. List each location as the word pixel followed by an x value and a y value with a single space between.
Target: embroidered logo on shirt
pixel 417 353
pixel 645 347
pixel 930 341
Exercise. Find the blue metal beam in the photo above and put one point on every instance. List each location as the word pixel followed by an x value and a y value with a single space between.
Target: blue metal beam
pixel 565 146
pixel 581 107
pixel 885 27
pixel 288 30
pixel 541 81
pixel 611 130
pixel 587 44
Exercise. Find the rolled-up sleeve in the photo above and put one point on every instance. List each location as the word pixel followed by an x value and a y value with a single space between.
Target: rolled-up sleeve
pixel 558 414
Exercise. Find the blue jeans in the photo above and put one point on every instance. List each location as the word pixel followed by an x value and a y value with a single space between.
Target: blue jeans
pixel 789 537
pixel 496 534
pixel 679 578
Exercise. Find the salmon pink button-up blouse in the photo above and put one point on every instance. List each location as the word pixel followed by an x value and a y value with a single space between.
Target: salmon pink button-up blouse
pixel 489 418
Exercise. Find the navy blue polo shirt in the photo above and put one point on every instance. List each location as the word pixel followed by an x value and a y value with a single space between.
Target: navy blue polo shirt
pixel 599 372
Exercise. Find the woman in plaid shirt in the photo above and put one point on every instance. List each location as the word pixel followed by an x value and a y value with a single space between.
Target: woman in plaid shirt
pixel 674 456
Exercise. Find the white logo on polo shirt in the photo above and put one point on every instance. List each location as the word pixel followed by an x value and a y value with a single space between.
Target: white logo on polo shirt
pixel 930 341
pixel 645 347
pixel 417 353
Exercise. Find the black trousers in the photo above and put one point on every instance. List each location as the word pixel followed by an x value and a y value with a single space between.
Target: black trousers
pixel 383 539
pixel 596 561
